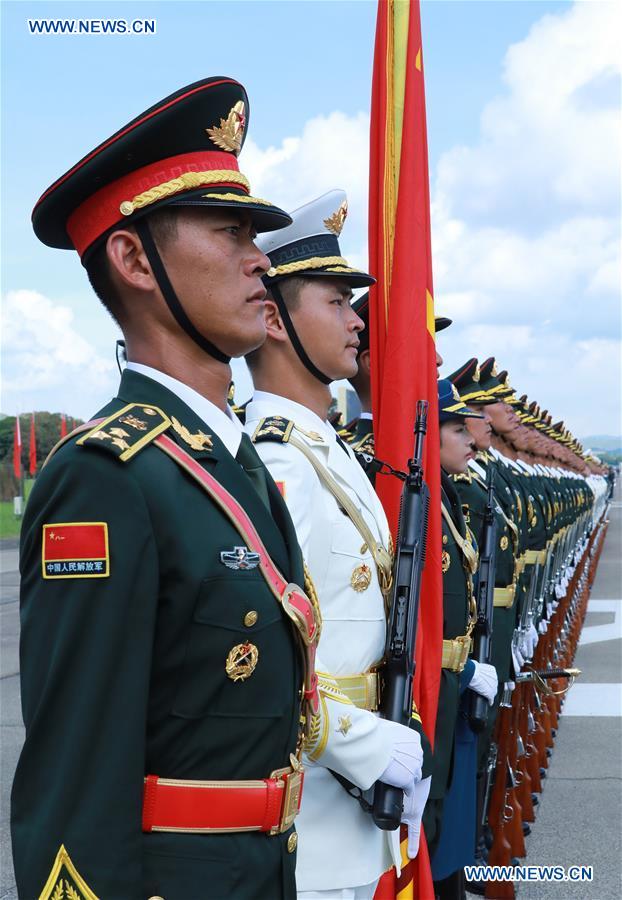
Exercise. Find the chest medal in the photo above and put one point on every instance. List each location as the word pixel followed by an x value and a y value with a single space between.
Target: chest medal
pixel 361 578
pixel 241 661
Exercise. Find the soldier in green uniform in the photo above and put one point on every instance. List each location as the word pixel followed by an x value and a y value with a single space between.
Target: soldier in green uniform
pixel 459 564
pixel 163 660
pixel 472 489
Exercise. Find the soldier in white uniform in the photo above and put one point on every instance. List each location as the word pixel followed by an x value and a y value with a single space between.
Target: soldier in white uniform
pixel 342 529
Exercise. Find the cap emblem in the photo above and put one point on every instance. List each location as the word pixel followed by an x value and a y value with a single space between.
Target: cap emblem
pixel 454 391
pixel 335 223
pixel 230 134
pixel 476 374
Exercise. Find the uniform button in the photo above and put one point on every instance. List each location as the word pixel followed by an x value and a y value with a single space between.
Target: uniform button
pixel 250 618
pixel 292 842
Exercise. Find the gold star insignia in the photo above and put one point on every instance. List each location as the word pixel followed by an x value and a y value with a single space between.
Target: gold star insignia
pixel 345 724
pixel 198 441
pixel 119 433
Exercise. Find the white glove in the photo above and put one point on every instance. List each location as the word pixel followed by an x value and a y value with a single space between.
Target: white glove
pixel 415 800
pixel 484 681
pixel 543 627
pixel 404 767
pixel 560 590
pixel 517 660
pixel 528 644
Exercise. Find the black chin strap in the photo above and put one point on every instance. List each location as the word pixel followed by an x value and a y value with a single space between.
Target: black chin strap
pixel 170 297
pixel 291 331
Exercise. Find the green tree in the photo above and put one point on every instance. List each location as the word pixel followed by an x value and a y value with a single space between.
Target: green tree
pixel 47 433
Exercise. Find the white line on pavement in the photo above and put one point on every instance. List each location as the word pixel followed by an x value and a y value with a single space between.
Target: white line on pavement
pixel 595 634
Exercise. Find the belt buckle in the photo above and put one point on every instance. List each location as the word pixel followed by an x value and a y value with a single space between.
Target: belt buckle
pixel 293 780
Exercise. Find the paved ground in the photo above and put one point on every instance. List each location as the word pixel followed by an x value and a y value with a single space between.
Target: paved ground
pixel 580 815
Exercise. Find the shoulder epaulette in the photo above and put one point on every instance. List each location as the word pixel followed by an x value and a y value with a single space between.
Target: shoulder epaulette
pixel 239 411
pixel 346 435
pixel 127 431
pixel 273 428
pixel 365 445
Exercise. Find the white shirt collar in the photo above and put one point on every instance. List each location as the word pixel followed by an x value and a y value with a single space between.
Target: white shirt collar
pixel 366 415
pixel 226 424
pixel 264 403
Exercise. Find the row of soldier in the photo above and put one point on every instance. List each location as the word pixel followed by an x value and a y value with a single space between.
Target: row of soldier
pixel 547 496
pixel 230 643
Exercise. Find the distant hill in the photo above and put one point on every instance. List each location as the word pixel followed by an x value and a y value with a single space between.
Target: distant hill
pixel 602 442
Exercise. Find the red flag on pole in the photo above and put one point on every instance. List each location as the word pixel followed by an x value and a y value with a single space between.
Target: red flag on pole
pixel 63 425
pixel 17 450
pixel 403 354
pixel 32 450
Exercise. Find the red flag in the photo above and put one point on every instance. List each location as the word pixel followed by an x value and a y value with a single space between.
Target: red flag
pixel 32 450
pixel 63 425
pixel 17 450
pixel 402 346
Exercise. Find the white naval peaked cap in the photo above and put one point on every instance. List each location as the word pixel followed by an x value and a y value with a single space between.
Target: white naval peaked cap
pixel 309 247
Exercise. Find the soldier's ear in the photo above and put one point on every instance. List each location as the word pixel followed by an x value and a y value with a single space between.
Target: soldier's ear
pixel 364 361
pixel 275 328
pixel 128 261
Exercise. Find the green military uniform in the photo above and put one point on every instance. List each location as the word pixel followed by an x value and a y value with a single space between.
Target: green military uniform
pixel 125 675
pixel 152 645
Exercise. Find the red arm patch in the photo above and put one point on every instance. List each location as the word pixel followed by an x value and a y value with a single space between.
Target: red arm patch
pixel 75 550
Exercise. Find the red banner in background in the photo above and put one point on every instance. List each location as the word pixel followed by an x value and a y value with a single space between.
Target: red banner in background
pixel 403 355
pixel 17 450
pixel 32 449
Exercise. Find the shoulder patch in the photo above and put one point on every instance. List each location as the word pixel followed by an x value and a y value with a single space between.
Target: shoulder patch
pixel 65 881
pixel 273 428
pixel 75 550
pixel 465 477
pixel 127 431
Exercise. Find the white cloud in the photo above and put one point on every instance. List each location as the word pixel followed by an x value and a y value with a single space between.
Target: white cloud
pixel 576 380
pixel 526 222
pixel 332 152
pixel 47 362
pixel 551 141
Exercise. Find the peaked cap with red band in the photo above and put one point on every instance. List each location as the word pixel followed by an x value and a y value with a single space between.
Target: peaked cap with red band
pixel 182 151
pixel 466 379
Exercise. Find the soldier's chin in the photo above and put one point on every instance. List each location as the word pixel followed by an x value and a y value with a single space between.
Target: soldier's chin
pixel 252 339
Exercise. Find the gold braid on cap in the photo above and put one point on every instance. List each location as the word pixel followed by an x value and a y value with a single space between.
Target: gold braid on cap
pixel 316 262
pixel 185 182
pixel 239 198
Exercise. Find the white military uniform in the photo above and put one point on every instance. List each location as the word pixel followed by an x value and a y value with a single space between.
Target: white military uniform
pixel 339 846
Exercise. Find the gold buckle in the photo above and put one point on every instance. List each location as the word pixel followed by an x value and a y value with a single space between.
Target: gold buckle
pixel 292 780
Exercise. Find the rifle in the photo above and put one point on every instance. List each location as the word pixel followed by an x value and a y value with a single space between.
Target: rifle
pixel 404 609
pixel 477 710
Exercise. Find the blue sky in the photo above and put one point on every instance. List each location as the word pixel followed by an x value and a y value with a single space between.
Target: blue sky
pixel 511 211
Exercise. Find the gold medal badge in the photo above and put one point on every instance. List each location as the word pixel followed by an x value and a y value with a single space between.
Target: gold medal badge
pixel 241 661
pixel 503 543
pixel 361 578
pixel 445 561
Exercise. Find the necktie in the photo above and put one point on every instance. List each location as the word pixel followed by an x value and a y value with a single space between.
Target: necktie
pixel 249 459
